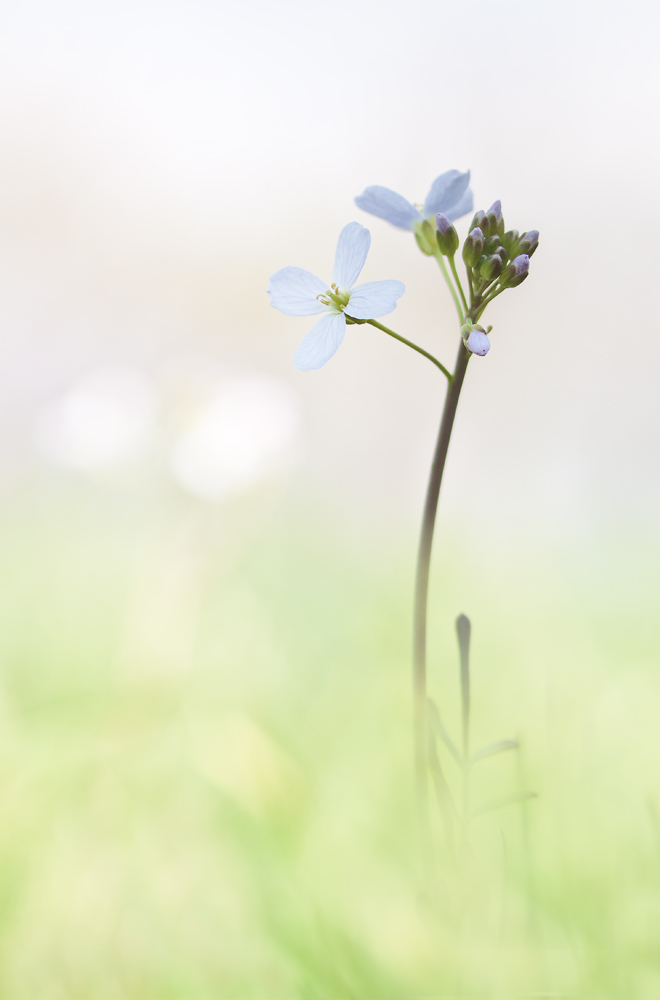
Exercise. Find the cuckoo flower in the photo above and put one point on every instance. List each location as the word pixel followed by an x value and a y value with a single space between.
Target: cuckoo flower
pixel 450 194
pixel 298 292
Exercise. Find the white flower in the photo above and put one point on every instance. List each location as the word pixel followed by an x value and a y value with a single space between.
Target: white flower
pixel 450 194
pixel 298 292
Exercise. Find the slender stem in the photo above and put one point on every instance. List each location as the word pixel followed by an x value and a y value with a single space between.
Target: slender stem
pixel 450 286
pixel 421 596
pixel 409 343
pixel 489 298
pixel 452 264
pixel 468 271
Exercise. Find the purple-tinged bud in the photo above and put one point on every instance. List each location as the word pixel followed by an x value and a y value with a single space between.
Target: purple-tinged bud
pixel 478 343
pixel 446 236
pixel 515 273
pixel 521 265
pixel 491 267
pixel 473 247
pixel 528 242
pixel 475 338
pixel 495 218
pixel 480 220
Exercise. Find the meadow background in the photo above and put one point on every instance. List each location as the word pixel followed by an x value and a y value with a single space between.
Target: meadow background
pixel 207 557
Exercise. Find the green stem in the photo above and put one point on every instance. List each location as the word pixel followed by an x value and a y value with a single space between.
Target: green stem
pixel 468 271
pixel 409 343
pixel 452 264
pixel 421 597
pixel 450 286
pixel 489 298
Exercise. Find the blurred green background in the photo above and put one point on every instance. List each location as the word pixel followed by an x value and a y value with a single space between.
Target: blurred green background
pixel 206 760
pixel 207 558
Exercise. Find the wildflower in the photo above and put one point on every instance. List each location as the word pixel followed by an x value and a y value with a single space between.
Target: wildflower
pixel 298 292
pixel 450 194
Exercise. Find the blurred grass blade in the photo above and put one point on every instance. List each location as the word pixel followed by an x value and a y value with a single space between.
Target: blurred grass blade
pixel 506 800
pixel 446 805
pixel 463 631
pixel 436 726
pixel 493 748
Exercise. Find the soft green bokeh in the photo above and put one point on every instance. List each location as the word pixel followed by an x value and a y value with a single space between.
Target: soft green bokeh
pixel 206 758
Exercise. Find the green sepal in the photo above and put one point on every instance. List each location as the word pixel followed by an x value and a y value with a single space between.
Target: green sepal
pixel 480 220
pixel 491 267
pixel 527 245
pixel 472 249
pixel 509 240
pixel 447 242
pixel 423 245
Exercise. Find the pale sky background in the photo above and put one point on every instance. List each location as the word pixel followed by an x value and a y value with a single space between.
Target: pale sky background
pixel 160 160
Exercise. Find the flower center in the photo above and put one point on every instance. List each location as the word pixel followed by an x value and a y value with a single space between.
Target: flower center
pixel 334 298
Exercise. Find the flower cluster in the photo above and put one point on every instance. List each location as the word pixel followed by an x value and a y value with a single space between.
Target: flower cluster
pixel 494 259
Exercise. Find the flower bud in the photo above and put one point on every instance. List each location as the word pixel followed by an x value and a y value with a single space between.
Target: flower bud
pixel 481 221
pixel 473 247
pixel 521 265
pixel 515 273
pixel 491 244
pixel 475 339
pixel 491 267
pixel 495 218
pixel 501 252
pixel 446 236
pixel 528 242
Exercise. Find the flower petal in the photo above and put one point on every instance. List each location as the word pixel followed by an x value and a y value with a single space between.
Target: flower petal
pixel 321 342
pixel 462 207
pixel 388 205
pixel 374 298
pixel 352 249
pixel 446 191
pixel 293 291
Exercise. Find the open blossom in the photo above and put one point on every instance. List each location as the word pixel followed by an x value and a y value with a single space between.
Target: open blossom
pixel 450 194
pixel 298 292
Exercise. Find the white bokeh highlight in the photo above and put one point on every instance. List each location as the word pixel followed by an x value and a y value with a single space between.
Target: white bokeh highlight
pixel 242 432
pixel 105 422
